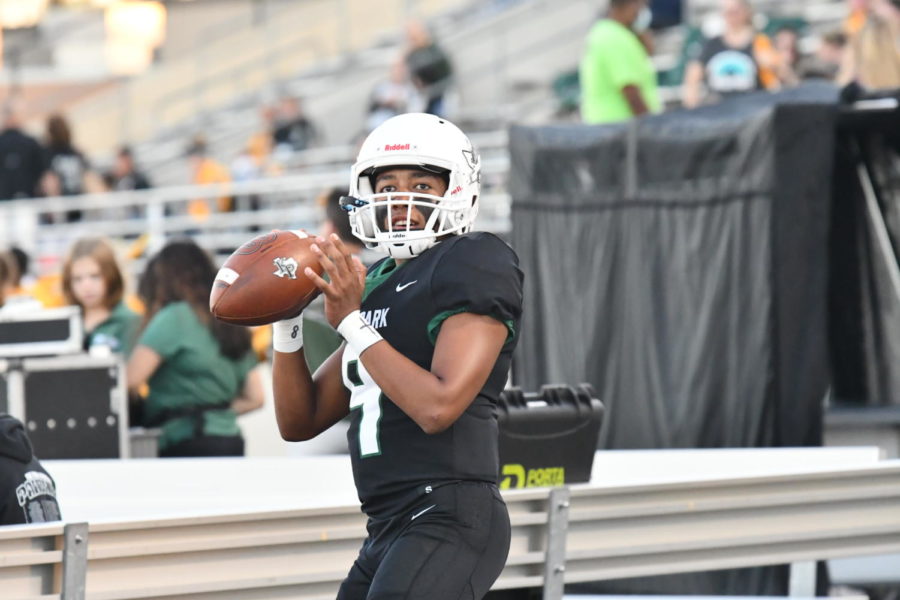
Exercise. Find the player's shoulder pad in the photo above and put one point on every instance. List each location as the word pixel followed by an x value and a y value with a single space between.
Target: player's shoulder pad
pixel 480 245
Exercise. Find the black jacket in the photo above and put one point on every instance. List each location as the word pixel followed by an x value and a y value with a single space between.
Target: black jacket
pixel 21 165
pixel 27 492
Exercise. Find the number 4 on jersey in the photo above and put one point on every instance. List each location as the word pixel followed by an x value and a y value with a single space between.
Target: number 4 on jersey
pixel 365 395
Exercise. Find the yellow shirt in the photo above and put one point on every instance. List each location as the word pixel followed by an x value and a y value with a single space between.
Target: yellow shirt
pixel 210 172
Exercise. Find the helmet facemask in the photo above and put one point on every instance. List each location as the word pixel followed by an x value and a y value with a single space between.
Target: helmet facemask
pixel 387 221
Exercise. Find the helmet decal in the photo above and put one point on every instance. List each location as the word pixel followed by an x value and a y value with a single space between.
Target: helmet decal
pixel 472 160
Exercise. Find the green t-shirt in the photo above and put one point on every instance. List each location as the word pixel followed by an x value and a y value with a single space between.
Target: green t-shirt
pixel 193 373
pixel 614 59
pixel 118 332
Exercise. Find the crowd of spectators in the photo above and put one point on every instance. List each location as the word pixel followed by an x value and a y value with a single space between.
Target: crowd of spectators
pixel 420 79
pixel 736 53
pixel 55 166
pixel 187 373
pixel 739 51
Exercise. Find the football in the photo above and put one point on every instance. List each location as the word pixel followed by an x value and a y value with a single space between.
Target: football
pixel 263 280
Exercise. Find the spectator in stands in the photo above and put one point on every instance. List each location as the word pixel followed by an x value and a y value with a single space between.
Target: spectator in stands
pixel 294 131
pixel 248 165
pixel 390 97
pixel 5 279
pixel 429 69
pixel 738 61
pixel 93 281
pixel 68 171
pixel 204 171
pixel 618 81
pixel 786 42
pixel 14 298
pixel 262 141
pixel 872 58
pixel 251 164
pixel 23 262
pixel 199 370
pixel 47 285
pixel 124 175
pixel 828 58
pixel 21 157
pixel 27 491
pixel 337 219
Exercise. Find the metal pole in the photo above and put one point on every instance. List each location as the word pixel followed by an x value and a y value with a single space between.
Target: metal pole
pixel 802 582
pixel 74 566
pixel 882 238
pixel 156 225
pixel 555 556
pixel 15 390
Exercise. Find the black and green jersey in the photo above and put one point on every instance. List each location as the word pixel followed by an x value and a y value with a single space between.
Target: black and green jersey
pixel 394 461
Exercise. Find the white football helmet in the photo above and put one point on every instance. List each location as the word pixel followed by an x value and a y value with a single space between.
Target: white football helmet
pixel 432 144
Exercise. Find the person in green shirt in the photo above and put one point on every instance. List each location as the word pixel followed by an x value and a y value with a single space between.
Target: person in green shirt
pixel 618 81
pixel 199 370
pixel 92 280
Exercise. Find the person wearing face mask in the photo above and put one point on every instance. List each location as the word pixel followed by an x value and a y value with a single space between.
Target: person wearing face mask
pixel 618 81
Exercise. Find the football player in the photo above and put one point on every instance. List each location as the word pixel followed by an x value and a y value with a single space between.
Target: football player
pixel 428 337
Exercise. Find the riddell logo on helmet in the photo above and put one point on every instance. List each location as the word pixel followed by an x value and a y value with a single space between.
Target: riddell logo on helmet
pixel 394 147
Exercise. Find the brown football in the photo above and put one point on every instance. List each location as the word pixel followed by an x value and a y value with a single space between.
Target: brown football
pixel 263 280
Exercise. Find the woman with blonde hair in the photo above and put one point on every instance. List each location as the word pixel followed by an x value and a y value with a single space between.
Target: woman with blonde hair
pixel 872 59
pixel 92 279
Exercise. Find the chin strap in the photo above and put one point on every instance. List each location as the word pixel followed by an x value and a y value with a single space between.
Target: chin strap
pixel 406 250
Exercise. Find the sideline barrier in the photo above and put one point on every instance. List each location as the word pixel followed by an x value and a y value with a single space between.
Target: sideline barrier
pixel 43 561
pixel 612 532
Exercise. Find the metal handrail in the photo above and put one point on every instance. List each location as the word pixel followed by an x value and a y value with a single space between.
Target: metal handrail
pixel 161 213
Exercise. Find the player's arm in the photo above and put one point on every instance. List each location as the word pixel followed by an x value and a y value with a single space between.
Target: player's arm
pixel 307 405
pixel 466 349
pixel 465 352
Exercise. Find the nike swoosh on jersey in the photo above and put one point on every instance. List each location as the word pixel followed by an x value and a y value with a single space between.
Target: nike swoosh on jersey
pixel 421 512
pixel 400 288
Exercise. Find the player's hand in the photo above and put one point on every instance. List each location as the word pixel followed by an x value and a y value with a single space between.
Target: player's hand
pixel 346 278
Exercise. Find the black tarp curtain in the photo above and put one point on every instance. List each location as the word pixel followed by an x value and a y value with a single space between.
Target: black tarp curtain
pixel 678 264
pixel 689 267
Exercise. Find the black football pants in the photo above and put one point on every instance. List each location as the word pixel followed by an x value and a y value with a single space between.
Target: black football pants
pixel 451 545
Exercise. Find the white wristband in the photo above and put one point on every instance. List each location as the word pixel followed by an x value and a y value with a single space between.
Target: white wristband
pixel 287 335
pixel 359 334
